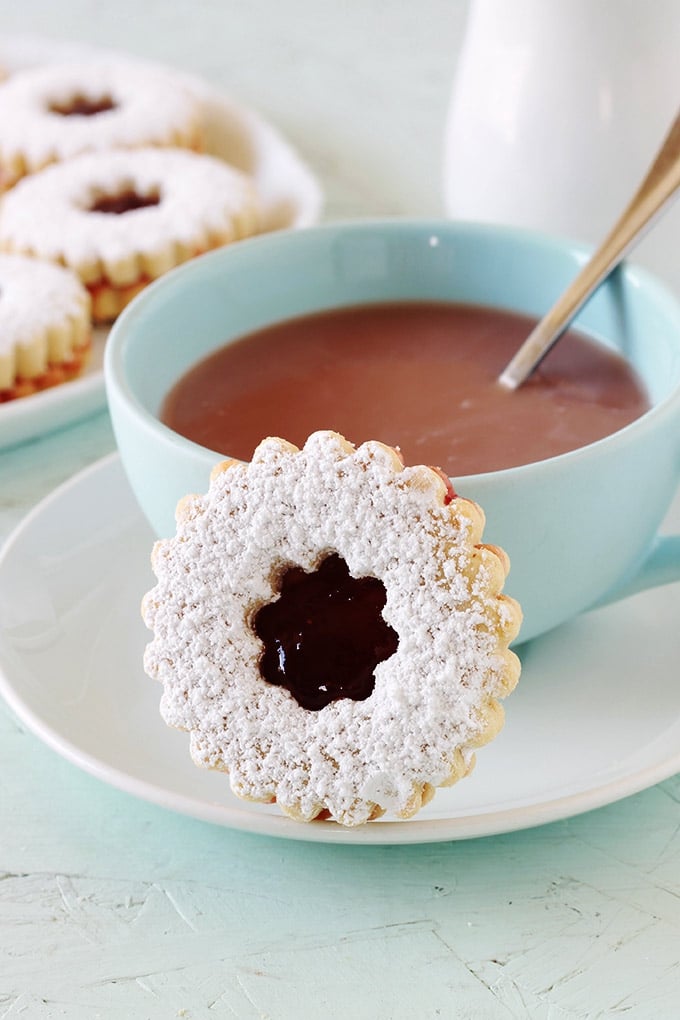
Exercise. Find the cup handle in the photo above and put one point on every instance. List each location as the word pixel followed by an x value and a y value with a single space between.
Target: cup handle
pixel 662 566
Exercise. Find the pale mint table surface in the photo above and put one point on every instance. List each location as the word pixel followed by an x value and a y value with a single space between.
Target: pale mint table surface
pixel 113 908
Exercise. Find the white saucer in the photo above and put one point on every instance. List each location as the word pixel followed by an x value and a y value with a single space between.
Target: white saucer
pixel 596 715
pixel 290 193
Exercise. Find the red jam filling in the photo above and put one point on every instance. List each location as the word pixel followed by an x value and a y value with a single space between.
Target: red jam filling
pixel 124 202
pixel 450 494
pixel 325 635
pixel 81 106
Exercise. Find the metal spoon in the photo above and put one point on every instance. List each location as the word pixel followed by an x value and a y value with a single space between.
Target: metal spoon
pixel 658 187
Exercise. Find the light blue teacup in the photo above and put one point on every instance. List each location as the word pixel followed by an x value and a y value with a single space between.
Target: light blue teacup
pixel 579 528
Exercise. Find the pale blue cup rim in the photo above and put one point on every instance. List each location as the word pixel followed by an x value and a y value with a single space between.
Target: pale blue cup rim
pixel 114 357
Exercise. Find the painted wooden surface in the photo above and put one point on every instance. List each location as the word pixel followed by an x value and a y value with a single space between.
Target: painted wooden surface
pixel 113 908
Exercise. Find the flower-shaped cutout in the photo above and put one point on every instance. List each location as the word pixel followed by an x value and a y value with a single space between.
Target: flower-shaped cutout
pixel 325 634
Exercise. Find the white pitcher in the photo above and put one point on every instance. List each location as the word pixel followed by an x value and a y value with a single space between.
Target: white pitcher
pixel 558 107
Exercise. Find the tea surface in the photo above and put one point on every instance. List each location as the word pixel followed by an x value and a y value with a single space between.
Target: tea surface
pixel 419 376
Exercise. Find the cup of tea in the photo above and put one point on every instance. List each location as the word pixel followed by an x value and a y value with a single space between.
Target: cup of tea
pixel 295 313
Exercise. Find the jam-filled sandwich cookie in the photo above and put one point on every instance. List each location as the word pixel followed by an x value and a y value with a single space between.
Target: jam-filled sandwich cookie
pixel 44 326
pixel 56 111
pixel 330 631
pixel 121 219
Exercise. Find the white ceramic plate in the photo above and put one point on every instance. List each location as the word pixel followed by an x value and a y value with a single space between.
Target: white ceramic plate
pixel 596 715
pixel 291 196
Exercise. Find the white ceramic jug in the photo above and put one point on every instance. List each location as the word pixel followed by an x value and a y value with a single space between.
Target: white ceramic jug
pixel 557 109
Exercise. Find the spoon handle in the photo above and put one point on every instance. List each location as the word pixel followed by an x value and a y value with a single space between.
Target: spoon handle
pixel 658 187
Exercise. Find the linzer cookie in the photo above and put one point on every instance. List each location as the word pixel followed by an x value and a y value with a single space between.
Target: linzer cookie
pixel 44 326
pixel 120 219
pixel 330 630
pixel 56 111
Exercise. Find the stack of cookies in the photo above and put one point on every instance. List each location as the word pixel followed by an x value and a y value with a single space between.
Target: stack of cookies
pixel 103 175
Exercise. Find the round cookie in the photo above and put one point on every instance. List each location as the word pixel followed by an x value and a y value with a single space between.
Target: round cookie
pixel 56 111
pixel 44 326
pixel 330 631
pixel 120 219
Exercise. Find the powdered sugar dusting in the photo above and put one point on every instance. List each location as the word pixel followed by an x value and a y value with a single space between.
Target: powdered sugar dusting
pixel 433 699
pixel 151 107
pixel 49 213
pixel 35 297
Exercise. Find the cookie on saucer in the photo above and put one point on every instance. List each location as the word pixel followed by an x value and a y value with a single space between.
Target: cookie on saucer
pixel 330 630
